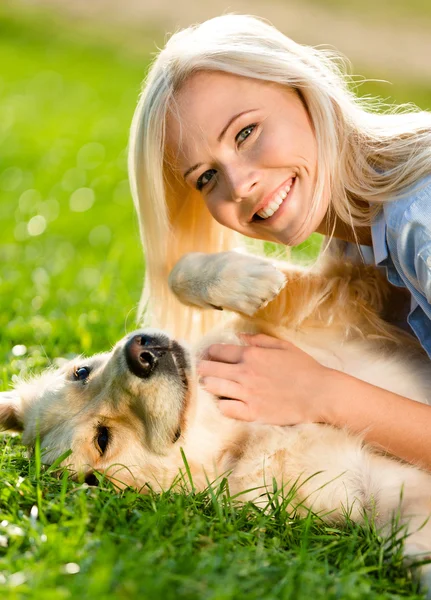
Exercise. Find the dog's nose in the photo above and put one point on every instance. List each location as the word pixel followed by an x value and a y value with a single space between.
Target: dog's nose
pixel 91 479
pixel 143 352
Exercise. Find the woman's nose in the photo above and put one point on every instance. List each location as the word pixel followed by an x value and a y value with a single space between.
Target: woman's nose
pixel 242 180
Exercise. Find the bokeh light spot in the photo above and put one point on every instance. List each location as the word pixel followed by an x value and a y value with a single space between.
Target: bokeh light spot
pixel 82 199
pixel 28 201
pixel 36 225
pixel 37 303
pixel 122 194
pixel 50 209
pixel 90 156
pixel 40 277
pixel 71 568
pixel 73 179
pixel 89 277
pixel 19 350
pixel 100 236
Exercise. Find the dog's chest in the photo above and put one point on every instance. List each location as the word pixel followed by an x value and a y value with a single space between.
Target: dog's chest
pixel 263 454
pixel 314 463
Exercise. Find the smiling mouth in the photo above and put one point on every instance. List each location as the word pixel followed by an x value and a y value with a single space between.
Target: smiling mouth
pixel 272 207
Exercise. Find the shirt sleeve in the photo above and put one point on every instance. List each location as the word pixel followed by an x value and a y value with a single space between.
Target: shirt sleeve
pixel 414 252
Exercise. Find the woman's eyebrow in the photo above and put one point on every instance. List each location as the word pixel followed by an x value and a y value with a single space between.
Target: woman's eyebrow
pixel 196 166
pixel 220 137
pixel 234 118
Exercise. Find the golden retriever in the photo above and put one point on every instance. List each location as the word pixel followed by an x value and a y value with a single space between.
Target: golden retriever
pixel 129 412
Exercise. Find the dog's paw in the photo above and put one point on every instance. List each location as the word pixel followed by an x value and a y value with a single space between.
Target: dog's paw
pixel 245 284
pixel 228 280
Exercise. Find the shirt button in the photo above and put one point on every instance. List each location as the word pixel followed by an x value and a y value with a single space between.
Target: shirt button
pixel 429 261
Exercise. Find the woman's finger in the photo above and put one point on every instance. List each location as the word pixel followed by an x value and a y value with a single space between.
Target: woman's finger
pixel 222 370
pixel 223 388
pixel 234 409
pixel 226 353
pixel 264 341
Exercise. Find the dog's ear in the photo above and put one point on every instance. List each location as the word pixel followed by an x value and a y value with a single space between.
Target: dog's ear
pixel 11 413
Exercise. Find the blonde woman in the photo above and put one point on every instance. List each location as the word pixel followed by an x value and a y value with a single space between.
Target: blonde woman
pixel 241 130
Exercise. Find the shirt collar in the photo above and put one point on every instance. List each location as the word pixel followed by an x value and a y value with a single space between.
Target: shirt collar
pixel 378 237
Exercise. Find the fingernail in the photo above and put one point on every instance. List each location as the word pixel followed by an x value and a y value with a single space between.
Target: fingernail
pixel 216 307
pixel 243 334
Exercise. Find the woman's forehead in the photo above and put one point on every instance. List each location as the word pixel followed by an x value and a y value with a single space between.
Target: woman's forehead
pixel 205 91
pixel 206 102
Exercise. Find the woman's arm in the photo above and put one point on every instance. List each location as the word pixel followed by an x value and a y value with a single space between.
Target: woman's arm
pixel 386 420
pixel 273 381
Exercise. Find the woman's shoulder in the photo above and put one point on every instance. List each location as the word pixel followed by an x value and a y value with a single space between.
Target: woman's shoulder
pixel 408 237
pixel 411 205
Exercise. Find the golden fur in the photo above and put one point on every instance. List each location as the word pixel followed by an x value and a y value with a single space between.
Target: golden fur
pixel 332 312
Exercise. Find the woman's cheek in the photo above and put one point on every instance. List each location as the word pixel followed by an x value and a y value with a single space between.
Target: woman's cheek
pixel 270 150
pixel 215 206
pixel 224 212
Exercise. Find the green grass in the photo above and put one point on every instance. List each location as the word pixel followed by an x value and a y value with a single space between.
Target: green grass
pixel 89 542
pixel 66 108
pixel 65 104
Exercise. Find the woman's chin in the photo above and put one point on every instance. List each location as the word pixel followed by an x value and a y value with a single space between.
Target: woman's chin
pixel 288 236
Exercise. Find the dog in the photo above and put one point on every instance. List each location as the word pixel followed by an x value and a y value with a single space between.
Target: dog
pixel 135 412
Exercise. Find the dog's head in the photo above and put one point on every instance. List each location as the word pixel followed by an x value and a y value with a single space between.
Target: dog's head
pixel 127 407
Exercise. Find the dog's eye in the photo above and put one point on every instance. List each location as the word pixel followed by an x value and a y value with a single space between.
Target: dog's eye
pixel 82 373
pixel 102 439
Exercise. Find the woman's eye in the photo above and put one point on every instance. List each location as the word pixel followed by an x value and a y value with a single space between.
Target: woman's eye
pixel 205 178
pixel 102 438
pixel 82 373
pixel 244 133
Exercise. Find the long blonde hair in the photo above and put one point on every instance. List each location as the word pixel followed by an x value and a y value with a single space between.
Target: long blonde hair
pixel 362 154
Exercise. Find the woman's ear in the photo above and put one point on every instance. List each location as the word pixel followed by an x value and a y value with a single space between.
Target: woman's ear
pixel 11 413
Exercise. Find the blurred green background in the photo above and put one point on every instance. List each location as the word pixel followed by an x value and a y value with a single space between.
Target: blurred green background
pixel 71 264
pixel 71 271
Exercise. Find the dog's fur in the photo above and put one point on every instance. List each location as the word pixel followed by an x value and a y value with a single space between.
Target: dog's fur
pixel 333 312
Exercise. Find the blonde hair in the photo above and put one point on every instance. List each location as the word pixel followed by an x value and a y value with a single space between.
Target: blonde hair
pixel 361 155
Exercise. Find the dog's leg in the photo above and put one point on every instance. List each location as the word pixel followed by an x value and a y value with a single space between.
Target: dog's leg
pixel 227 280
pixel 281 293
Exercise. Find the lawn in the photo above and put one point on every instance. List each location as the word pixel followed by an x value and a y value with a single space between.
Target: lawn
pixel 70 279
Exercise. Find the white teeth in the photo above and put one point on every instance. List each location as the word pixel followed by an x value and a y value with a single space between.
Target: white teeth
pixel 274 205
pixel 268 212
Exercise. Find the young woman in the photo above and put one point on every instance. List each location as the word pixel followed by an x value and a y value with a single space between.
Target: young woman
pixel 240 129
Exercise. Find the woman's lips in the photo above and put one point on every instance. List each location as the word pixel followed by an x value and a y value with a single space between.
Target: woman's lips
pixel 280 209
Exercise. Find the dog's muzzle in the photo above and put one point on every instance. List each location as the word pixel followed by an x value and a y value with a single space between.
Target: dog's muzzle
pixel 147 353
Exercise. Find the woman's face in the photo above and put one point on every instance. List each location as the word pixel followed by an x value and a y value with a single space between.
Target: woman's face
pixel 250 150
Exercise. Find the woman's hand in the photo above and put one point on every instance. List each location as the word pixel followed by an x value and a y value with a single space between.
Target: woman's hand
pixel 273 381
pixel 269 380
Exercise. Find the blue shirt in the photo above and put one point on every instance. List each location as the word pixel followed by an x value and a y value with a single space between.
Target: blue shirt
pixel 401 236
